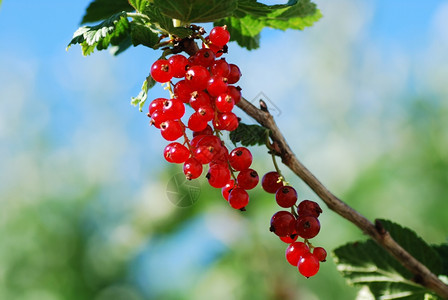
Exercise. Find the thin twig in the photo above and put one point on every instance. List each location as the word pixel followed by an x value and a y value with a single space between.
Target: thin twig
pixel 422 275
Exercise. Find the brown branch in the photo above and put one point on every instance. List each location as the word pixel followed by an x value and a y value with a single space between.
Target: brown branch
pixel 422 275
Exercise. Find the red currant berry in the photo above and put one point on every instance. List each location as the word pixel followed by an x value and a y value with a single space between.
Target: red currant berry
pixel 320 254
pixel 176 153
pixel 199 99
pixel 192 168
pixel 157 118
pixel 220 68
pixel 235 93
pixel 204 57
pixel 215 48
pixel 161 71
pixel 308 207
pixel 240 158
pixel 308 265
pixel 156 104
pixel 197 77
pixel 226 121
pixel 217 85
pixel 247 179
pixel 204 154
pixel 282 223
pixel 286 196
pixel 219 36
pixel 224 103
pixel 196 122
pixel 271 182
pixel 172 129
pixel 207 131
pixel 179 65
pixel 307 226
pixel 206 112
pixel 227 188
pixel 173 109
pixel 238 198
pixel 235 74
pixel 289 239
pixel 218 175
pixel 182 91
pixel 295 251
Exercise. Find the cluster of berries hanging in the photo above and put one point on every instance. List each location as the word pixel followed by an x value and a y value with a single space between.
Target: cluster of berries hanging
pixel 302 221
pixel 205 84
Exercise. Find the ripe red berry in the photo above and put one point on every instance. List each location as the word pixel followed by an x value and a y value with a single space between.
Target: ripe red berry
pixel 220 68
pixel 224 102
pixel 197 77
pixel 240 158
pixel 226 121
pixel 204 57
pixel 218 175
pixel 295 251
pixel 207 131
pixel 157 118
pixel 156 104
pixel 176 153
pixel 289 239
pixel 238 198
pixel 308 207
pixel 219 36
pixel 204 154
pixel 247 179
pixel 172 129
pixel 308 265
pixel 206 112
pixel 235 93
pixel 234 75
pixel 173 109
pixel 216 85
pixel 199 99
pixel 192 168
pixel 286 196
pixel 179 64
pixel 271 182
pixel 282 223
pixel 225 190
pixel 307 226
pixel 320 253
pixel 161 71
pixel 182 91
pixel 196 122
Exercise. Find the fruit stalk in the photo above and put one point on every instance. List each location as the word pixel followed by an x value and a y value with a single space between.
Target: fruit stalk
pixel 422 275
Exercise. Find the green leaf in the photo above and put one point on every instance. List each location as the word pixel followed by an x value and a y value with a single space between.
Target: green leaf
pixel 99 10
pixel 442 250
pixel 143 35
pixel 139 5
pixel 249 135
pixel 112 31
pixel 251 17
pixel 196 11
pixel 143 95
pixel 165 23
pixel 245 31
pixel 366 263
pixel 123 46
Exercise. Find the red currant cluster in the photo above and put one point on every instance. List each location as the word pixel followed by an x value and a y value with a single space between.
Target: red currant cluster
pixel 206 86
pixel 302 222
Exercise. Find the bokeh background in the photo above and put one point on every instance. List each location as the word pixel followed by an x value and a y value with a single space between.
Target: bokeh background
pixel 84 208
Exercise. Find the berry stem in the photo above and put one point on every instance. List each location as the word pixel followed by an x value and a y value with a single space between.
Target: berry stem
pixel 423 275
